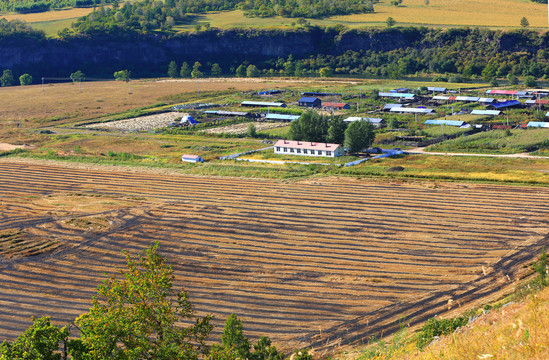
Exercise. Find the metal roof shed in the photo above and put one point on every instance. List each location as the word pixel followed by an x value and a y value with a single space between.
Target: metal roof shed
pixel 457 123
pixel 486 112
pixel 387 107
pixel 506 104
pixel 539 124
pixel 310 102
pixel 281 117
pixel 486 100
pixel 262 104
pixel 398 95
pixel 412 110
pixel 437 89
pixel 467 98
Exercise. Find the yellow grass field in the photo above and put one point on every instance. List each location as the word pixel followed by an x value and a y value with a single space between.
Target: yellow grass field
pixel 50 15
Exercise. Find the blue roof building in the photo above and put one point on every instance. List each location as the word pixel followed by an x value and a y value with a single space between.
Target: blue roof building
pixel 538 124
pixel 281 117
pixel 505 104
pixel 312 102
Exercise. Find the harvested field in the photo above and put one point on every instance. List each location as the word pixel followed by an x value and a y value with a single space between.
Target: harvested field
pixel 314 262
pixel 142 123
pixel 240 129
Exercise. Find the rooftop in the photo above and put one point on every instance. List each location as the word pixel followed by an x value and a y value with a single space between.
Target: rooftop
pixel 306 145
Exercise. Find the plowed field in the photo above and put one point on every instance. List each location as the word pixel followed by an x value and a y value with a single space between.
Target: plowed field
pixel 314 262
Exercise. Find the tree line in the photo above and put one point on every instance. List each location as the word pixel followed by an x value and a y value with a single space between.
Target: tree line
pixel 140 315
pixel 35 6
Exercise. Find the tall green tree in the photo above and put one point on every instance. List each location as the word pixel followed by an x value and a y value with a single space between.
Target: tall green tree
pixel 172 70
pixel 524 22
pixel 336 131
pixel 241 71
pixel 358 135
pixel 185 71
pixel 122 75
pixel 7 78
pixel 139 315
pixel 252 71
pixel 233 338
pixel 216 70
pixel 264 350
pixel 77 76
pixel 196 73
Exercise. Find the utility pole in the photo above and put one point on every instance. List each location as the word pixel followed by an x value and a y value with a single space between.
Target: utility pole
pixel 43 81
pixel 197 89
pixel 129 86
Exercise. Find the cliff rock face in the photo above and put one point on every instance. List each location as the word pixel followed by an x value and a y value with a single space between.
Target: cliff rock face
pixel 146 54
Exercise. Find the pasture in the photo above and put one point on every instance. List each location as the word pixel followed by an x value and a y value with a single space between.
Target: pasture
pixel 316 262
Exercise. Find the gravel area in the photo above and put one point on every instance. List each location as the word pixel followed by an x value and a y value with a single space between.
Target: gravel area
pixel 142 123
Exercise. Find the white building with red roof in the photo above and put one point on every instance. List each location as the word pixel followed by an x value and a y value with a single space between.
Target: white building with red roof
pixel 306 148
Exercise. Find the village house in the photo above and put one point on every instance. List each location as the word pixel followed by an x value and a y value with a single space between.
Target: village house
pixel 306 148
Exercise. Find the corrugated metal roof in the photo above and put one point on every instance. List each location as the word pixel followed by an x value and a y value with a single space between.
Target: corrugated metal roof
pixel 502 92
pixel 467 98
pixel 188 119
pixel 390 106
pixel 539 101
pixel 436 89
pixel 397 95
pixel 281 117
pixel 269 92
pixel 334 104
pixel 262 103
pixel 457 123
pixel 506 104
pixel 486 100
pixel 538 124
pixel 357 118
pixel 440 97
pixel 411 110
pixel 308 99
pixel 486 112
pixel 312 93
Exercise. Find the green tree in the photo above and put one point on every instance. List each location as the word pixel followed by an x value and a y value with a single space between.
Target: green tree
pixel 172 70
pixel 7 78
pixel 524 22
pixel 303 354
pixel 78 76
pixel 122 75
pixel 185 71
pixel 311 126
pixel 40 341
pixel 233 338
pixel 252 71
pixel 530 81
pixel 358 135
pixel 196 73
pixel 390 22
pixel 241 71
pixel 263 350
pixel 251 132
pixel 512 79
pixel 139 315
pixel 25 79
pixel 216 70
pixel 326 72
pixel 336 131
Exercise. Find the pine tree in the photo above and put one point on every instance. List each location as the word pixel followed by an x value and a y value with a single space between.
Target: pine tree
pixel 185 71
pixel 172 70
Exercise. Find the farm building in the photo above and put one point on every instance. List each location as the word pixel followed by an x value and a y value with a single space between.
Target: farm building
pixel 398 95
pixel 388 107
pixel 262 104
pixel 501 92
pixel 336 105
pixel 437 89
pixel 486 100
pixel 538 124
pixel 281 117
pixel 486 112
pixel 377 122
pixel 312 102
pixel 269 92
pixel 537 102
pixel 400 90
pixel 441 98
pixel 305 148
pixel 315 94
pixel 229 113
pixel 192 158
pixel 411 110
pixel 467 98
pixel 186 120
pixel 457 123
pixel 505 104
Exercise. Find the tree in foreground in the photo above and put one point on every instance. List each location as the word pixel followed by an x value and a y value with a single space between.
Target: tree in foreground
pixel 185 71
pixel 359 135
pixel 524 22
pixel 25 79
pixel 196 73
pixel 336 131
pixel 40 341
pixel 137 316
pixel 311 126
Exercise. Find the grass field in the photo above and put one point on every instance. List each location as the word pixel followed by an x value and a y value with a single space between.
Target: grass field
pixel 503 14
pixel 318 262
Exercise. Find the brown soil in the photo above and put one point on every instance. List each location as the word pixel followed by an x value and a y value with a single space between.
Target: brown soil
pixel 318 262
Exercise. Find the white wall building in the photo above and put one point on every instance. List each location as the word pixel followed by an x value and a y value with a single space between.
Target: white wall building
pixel 305 148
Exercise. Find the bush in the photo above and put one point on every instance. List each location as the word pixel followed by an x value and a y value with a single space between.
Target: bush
pixel 437 327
